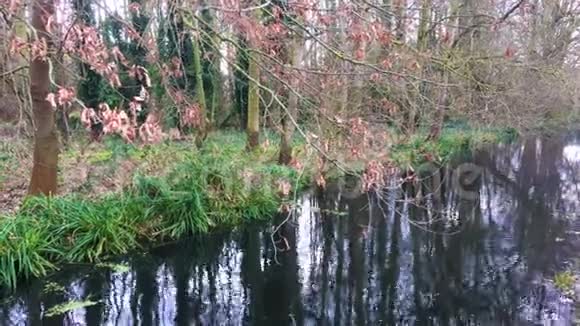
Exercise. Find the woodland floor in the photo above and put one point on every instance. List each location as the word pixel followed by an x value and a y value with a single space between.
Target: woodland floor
pixel 88 169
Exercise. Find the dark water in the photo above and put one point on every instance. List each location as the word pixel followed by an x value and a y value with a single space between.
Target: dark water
pixel 476 250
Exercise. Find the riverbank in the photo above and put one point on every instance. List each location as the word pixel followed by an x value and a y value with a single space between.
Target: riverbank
pixel 169 191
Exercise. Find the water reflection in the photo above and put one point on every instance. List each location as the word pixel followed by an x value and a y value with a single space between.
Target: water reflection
pixel 421 255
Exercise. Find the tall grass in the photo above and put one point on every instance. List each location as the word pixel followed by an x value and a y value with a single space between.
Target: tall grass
pixel 26 249
pixel 220 185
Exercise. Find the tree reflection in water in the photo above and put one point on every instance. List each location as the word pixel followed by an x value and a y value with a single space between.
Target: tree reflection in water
pixel 418 256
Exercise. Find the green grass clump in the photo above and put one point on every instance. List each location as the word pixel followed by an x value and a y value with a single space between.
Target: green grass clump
pixel 49 231
pixel 117 268
pixel 176 213
pixel 453 141
pixel 219 185
pixel 53 287
pixel 26 249
pixel 68 306
pixel 564 281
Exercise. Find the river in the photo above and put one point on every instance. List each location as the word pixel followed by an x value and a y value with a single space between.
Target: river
pixel 464 248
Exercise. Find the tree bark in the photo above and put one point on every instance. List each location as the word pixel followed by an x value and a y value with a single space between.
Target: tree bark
pixel 439 116
pixel 292 109
pixel 421 104
pixel 387 14
pixel 253 125
pixel 200 92
pixel 424 25
pixel 400 13
pixel 44 170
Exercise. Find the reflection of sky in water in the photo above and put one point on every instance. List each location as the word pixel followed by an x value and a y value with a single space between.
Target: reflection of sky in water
pixel 570 180
pixel 372 266
pixel 166 294
pixel 119 298
pixel 571 153
pixel 307 252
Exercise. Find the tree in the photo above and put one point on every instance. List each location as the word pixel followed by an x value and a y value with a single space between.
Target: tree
pixel 253 126
pixel 400 16
pixel 210 62
pixel 291 115
pixel 45 156
pixel 240 82
pixel 199 90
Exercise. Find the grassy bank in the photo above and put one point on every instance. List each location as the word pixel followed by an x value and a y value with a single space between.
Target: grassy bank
pixel 453 142
pixel 174 191
pixel 219 186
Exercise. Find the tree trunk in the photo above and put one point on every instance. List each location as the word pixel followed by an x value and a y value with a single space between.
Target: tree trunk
pixel 424 25
pixel 292 109
pixel 439 116
pixel 421 104
pixel 216 101
pixel 199 91
pixel 44 170
pixel 211 44
pixel 239 82
pixel 400 13
pixel 253 126
pixel 386 14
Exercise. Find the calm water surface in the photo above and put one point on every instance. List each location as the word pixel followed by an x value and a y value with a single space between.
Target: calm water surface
pixel 426 255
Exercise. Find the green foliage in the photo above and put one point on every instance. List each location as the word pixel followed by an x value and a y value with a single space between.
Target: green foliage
pixel 93 89
pixel 116 149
